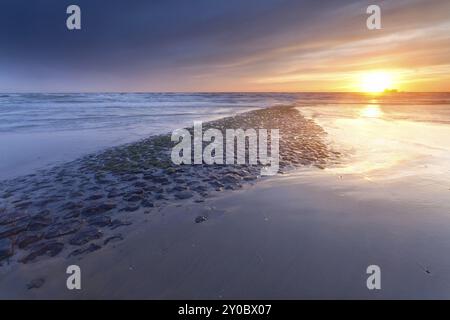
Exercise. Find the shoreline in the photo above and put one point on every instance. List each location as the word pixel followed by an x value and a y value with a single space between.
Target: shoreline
pixel 74 209
pixel 302 235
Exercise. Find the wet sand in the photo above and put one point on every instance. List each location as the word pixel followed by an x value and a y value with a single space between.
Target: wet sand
pixel 303 235
pixel 83 206
pixel 308 233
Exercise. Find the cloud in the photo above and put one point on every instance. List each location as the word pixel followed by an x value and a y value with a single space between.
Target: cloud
pixel 203 45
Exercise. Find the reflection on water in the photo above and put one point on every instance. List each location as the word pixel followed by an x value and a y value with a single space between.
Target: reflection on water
pixel 380 146
pixel 371 111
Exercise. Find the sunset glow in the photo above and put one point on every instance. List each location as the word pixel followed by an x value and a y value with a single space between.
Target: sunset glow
pixel 376 82
pixel 301 47
pixel 371 111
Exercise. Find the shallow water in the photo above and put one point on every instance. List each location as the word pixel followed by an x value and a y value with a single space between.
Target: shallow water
pixel 389 141
pixel 38 130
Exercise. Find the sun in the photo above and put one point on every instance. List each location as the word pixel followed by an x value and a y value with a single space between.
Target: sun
pixel 376 81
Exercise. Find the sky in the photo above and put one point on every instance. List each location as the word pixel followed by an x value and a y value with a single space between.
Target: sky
pixel 222 45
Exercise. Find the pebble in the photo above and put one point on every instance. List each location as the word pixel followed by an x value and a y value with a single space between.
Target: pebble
pixel 114 238
pixel 147 204
pixel 39 223
pixel 130 208
pixel 102 208
pixel 99 221
pixel 96 196
pixel 24 240
pixel 118 223
pixel 12 218
pixel 72 206
pixel 50 249
pixel 63 229
pixel 85 236
pixel 184 195
pixel 230 178
pixel 9 231
pixel 71 215
pixel 200 219
pixel 90 248
pixel 6 249
pixel 36 283
pixel 49 204
pixel 133 198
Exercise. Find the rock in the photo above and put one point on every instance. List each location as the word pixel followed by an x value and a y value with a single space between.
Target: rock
pixel 159 190
pixel 47 201
pixel 12 218
pixel 94 188
pixel 99 221
pixel 160 196
pixel 129 178
pixel 130 208
pixel 233 187
pixel 63 229
pixel 161 180
pixel 92 247
pixel 147 176
pixel 216 184
pixel 95 196
pixel 183 195
pixel 133 198
pixel 24 240
pixel 114 193
pixel 72 206
pixel 118 223
pixel 85 236
pixel 147 203
pixel 43 213
pixel 114 238
pixel 76 194
pixel 10 231
pixel 101 208
pixel 140 184
pixel 178 188
pixel 51 249
pixel 36 283
pixel 200 188
pixel 72 214
pixel 23 205
pixel 137 191
pixel 103 180
pixel 201 219
pixel 231 178
pixel 39 222
pixel 148 191
pixel 6 249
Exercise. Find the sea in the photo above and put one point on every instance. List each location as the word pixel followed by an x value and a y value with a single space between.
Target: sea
pixel 39 130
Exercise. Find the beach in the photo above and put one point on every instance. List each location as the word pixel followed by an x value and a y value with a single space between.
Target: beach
pixel 300 236
pixel 352 192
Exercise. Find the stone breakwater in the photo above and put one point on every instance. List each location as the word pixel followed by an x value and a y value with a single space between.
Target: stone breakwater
pixel 79 207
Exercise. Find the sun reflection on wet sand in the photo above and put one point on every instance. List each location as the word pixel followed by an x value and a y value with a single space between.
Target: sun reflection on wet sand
pixel 378 147
pixel 371 111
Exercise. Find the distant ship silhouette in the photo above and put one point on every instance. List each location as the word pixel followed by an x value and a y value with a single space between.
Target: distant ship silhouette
pixel 390 91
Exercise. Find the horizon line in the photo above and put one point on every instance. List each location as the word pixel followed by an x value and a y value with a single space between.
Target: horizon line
pixel 212 92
